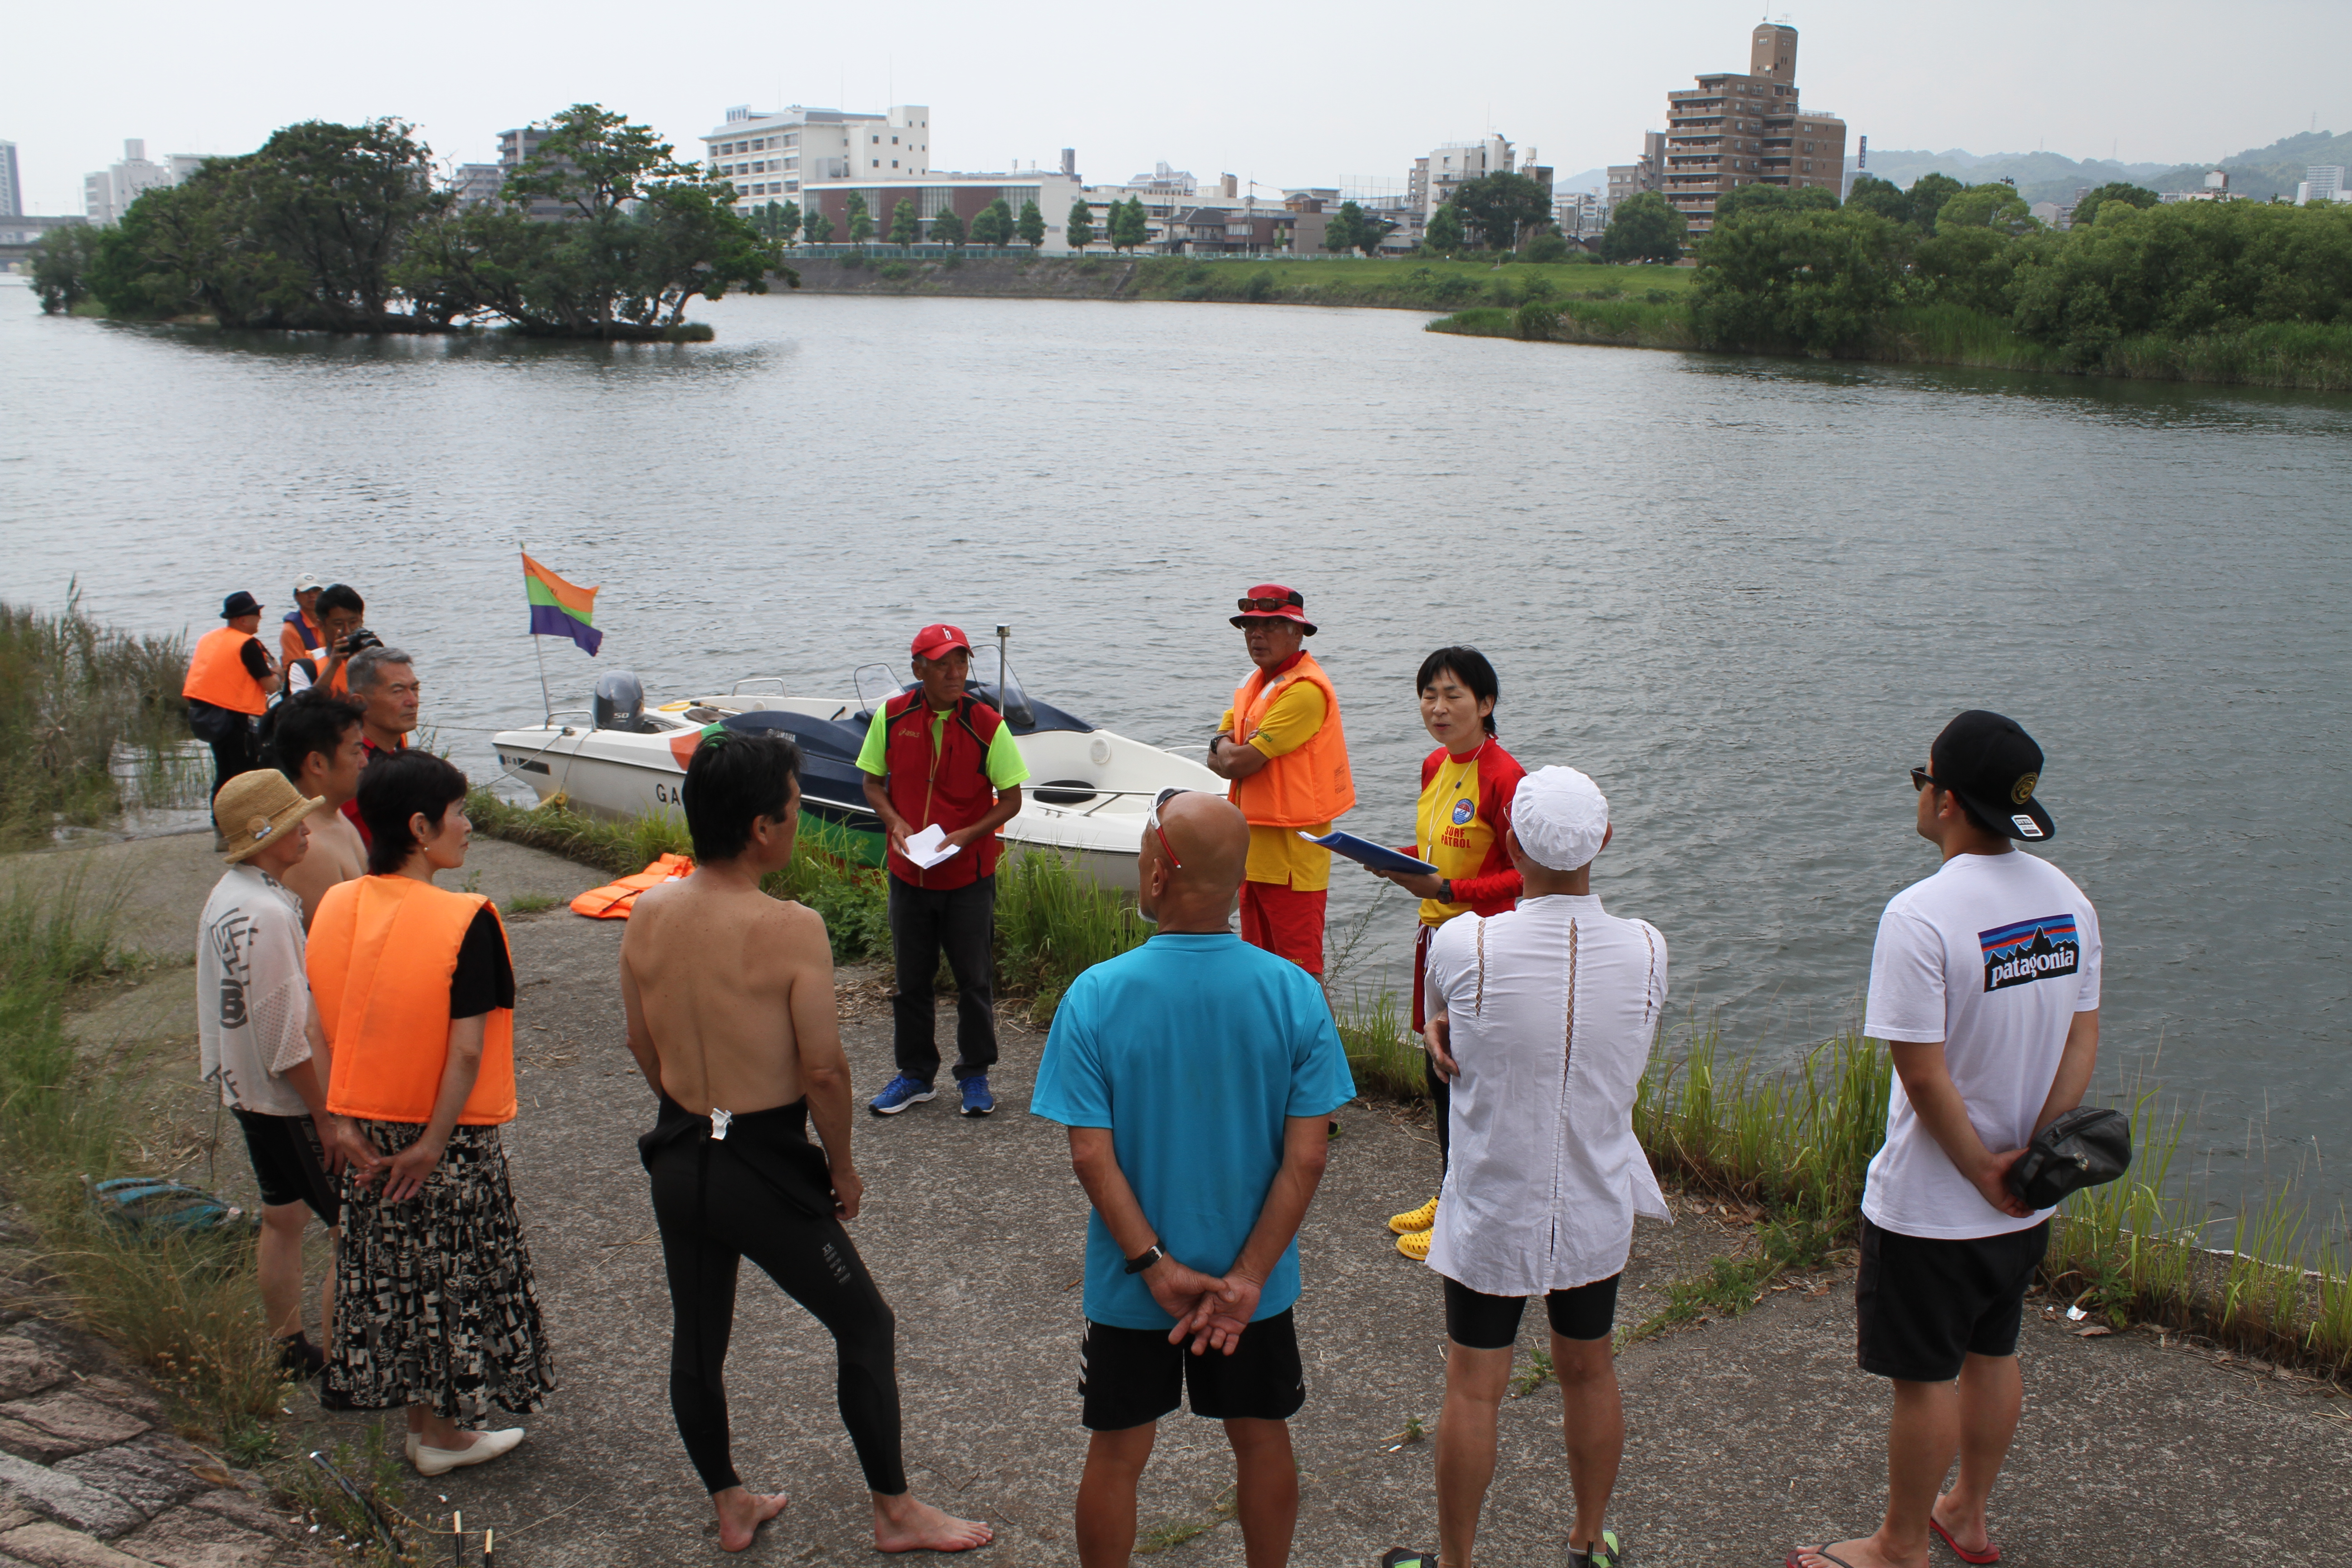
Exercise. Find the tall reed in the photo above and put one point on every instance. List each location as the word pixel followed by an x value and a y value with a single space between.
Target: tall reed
pixel 71 692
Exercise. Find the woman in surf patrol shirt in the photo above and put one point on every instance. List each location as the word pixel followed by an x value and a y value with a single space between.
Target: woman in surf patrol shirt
pixel 1467 786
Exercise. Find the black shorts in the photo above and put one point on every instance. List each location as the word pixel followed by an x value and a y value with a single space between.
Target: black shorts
pixel 1131 1377
pixel 1924 1305
pixel 1477 1321
pixel 288 1162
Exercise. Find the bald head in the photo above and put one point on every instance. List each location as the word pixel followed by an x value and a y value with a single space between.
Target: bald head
pixel 1211 840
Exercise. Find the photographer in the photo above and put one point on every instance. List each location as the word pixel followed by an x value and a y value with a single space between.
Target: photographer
pixel 342 616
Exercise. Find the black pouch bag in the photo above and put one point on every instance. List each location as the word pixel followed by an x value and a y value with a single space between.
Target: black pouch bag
pixel 2085 1148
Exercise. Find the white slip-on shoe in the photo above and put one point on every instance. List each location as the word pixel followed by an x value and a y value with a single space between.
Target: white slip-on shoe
pixel 487 1446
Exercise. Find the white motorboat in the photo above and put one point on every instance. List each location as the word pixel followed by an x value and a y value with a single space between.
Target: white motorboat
pixel 1088 793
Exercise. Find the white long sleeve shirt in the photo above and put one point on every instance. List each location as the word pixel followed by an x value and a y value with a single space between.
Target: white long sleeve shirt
pixel 1551 1008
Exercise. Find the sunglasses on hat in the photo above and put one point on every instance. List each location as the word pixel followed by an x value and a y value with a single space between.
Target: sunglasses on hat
pixel 1268 601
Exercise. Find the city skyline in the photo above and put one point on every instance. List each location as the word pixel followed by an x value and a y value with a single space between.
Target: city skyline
pixel 1224 95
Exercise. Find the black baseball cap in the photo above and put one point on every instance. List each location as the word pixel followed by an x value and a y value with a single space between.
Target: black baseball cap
pixel 1993 765
pixel 239 603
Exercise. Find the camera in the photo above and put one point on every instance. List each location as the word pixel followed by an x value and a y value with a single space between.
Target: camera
pixel 360 641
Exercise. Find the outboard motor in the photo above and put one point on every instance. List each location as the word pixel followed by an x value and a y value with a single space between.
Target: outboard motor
pixel 620 702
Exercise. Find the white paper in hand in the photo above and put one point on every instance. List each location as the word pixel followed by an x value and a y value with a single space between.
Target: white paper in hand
pixel 930 846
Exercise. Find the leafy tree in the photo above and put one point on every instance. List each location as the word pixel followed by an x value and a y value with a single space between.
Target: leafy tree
pixel 861 222
pixel 1927 197
pixel 2086 211
pixel 1874 194
pixel 1994 206
pixel 1795 277
pixel 1080 228
pixel 1751 198
pixel 948 229
pixel 644 235
pixel 994 226
pixel 1031 227
pixel 816 228
pixel 1552 247
pixel 1351 229
pixel 1444 234
pixel 1645 227
pixel 788 223
pixel 1130 224
pixel 906 229
pixel 62 264
pixel 1498 209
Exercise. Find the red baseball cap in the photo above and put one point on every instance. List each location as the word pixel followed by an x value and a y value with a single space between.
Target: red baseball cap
pixel 934 640
pixel 1272 601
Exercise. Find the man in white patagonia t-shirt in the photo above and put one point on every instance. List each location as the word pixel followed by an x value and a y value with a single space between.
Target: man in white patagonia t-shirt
pixel 1984 986
pixel 1541 1022
pixel 258 1039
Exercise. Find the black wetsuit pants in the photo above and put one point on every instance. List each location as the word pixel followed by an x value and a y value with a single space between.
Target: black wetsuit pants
pixel 717 1203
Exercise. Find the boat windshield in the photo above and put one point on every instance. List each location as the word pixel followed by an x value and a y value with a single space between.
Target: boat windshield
pixel 992 670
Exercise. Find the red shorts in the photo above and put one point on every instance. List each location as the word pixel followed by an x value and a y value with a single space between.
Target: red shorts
pixel 1286 922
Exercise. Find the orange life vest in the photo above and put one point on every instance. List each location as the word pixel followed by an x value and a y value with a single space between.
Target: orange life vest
pixel 614 901
pixel 1300 788
pixel 217 673
pixel 382 951
pixel 298 637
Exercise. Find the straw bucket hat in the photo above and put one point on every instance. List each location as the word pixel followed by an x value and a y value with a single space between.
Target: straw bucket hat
pixel 253 808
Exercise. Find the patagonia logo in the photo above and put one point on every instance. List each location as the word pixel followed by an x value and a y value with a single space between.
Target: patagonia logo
pixel 1464 811
pixel 2028 950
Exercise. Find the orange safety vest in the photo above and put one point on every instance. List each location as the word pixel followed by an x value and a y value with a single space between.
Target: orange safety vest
pixel 298 637
pixel 614 901
pixel 217 673
pixel 1301 788
pixel 382 951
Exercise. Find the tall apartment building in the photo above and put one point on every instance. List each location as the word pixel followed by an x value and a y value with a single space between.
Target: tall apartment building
pixel 2320 183
pixel 108 193
pixel 12 184
pixel 479 184
pixel 771 156
pixel 1736 130
pixel 1434 179
pixel 1646 172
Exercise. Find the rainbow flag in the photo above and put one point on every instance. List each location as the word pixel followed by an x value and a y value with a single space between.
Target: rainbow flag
pixel 559 609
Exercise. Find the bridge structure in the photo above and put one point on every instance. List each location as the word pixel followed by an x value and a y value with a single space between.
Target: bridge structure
pixel 19 234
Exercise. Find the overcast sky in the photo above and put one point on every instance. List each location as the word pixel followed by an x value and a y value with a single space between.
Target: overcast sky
pixel 1288 95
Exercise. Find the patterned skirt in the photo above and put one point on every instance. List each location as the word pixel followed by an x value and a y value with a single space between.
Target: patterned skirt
pixel 433 1295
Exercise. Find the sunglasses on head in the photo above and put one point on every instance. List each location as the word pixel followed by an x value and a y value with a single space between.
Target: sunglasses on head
pixel 1152 818
pixel 1268 601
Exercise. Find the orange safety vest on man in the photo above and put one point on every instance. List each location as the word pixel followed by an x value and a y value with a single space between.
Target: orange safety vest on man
pixel 1302 788
pixel 949 787
pixel 298 637
pixel 217 673
pixel 383 952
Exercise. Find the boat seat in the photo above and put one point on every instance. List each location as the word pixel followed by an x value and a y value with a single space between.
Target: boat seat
pixel 1063 792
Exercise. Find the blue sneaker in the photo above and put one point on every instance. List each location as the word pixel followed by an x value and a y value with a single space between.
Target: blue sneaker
pixel 977 1100
pixel 899 1093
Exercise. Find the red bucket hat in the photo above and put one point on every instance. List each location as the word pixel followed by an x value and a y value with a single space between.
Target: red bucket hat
pixel 933 641
pixel 1272 601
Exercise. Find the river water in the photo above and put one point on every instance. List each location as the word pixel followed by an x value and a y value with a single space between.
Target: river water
pixel 1742 594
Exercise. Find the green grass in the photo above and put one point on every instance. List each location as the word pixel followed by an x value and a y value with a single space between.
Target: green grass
pixel 1384 1057
pixel 72 691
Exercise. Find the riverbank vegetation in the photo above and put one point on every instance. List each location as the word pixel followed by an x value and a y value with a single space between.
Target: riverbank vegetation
pixel 601 233
pixel 2244 292
pixel 91 720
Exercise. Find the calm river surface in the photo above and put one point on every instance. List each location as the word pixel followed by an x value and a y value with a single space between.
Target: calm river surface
pixel 1743 595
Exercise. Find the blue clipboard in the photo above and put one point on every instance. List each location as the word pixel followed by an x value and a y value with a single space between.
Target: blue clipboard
pixel 1376 856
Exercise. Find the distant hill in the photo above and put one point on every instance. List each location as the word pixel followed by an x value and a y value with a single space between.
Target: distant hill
pixel 1589 180
pixel 2260 172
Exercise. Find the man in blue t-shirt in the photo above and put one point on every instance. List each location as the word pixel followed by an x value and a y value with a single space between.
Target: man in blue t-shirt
pixel 1196 1075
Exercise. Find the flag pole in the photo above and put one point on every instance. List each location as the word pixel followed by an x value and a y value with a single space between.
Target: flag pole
pixel 547 703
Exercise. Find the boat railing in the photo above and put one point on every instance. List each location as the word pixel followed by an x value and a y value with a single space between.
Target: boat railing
pixel 555 713
pixel 776 680
pixel 1108 796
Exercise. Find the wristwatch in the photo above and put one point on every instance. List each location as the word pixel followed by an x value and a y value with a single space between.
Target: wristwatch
pixel 1446 889
pixel 1146 1258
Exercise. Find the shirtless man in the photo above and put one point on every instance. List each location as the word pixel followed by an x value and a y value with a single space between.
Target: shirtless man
pixel 731 1017
pixel 316 744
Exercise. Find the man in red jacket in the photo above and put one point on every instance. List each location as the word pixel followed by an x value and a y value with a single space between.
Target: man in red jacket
pixel 937 757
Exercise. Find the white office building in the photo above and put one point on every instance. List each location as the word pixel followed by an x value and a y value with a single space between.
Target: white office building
pixel 771 156
pixel 2320 183
pixel 12 184
pixel 108 193
pixel 1435 178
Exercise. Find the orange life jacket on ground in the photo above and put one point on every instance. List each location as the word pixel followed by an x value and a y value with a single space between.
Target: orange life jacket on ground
pixel 949 787
pixel 614 901
pixel 1305 787
pixel 217 673
pixel 382 951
